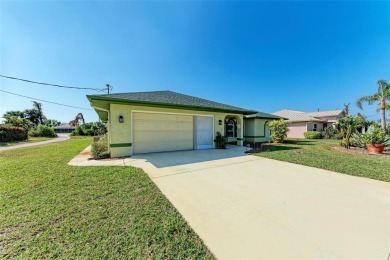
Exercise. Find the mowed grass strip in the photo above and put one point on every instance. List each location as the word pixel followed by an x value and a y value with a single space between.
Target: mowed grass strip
pixel 51 210
pixel 318 153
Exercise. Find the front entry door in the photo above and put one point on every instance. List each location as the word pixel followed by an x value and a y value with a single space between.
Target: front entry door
pixel 203 126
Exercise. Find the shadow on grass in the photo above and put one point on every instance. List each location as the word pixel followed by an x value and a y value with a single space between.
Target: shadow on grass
pixel 275 148
pixel 300 142
pixel 4 144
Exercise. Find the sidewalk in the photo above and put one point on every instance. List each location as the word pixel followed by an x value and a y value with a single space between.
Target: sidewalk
pixel 60 138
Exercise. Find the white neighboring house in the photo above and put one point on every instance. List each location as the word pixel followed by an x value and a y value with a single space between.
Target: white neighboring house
pixel 300 122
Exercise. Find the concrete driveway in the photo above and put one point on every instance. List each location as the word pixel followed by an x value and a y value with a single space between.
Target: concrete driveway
pixel 244 206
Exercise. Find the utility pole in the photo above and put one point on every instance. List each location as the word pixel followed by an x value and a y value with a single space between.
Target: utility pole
pixel 346 108
pixel 108 88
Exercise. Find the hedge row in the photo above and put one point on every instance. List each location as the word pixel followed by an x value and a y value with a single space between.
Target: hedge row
pixel 12 133
pixel 312 135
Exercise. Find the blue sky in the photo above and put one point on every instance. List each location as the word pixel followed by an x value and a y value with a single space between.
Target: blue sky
pixel 265 56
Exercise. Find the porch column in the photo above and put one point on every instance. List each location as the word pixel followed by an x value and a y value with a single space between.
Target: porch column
pixel 240 132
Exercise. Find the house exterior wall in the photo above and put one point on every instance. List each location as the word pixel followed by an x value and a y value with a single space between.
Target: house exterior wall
pixel 296 130
pixel 256 131
pixel 120 136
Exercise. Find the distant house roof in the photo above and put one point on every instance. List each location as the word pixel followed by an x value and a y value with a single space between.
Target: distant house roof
pixel 263 115
pixel 335 112
pixel 169 99
pixel 64 126
pixel 300 116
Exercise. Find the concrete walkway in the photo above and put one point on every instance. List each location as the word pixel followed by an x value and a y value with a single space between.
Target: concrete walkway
pixel 59 138
pixel 248 207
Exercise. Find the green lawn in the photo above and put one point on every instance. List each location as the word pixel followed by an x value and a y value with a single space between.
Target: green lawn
pixel 30 140
pixel 49 209
pixel 318 153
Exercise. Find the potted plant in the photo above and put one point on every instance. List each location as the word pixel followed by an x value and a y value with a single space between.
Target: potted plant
pixel 375 139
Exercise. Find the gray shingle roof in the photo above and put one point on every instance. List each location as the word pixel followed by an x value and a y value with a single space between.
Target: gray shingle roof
pixel 263 115
pixel 169 98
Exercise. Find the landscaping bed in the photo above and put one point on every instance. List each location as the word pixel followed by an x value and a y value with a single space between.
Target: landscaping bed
pixel 49 209
pixel 357 150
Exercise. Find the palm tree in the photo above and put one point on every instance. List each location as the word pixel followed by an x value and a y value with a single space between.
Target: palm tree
pixel 38 107
pixel 32 116
pixel 382 96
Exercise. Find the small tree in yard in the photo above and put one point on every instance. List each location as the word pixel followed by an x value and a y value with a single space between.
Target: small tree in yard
pixel 347 126
pixel 279 129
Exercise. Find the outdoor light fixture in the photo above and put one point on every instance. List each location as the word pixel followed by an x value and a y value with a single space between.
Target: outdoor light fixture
pixel 220 122
pixel 121 120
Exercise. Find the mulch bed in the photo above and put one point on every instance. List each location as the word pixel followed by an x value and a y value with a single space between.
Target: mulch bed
pixel 357 150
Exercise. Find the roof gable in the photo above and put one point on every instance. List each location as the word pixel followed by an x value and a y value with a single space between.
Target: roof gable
pixel 263 115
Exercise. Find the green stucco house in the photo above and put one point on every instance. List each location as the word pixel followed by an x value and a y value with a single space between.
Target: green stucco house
pixel 159 121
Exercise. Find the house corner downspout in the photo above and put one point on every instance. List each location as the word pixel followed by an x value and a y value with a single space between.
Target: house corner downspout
pixel 108 125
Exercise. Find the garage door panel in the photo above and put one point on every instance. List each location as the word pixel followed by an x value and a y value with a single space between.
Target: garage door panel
pixel 203 132
pixel 162 132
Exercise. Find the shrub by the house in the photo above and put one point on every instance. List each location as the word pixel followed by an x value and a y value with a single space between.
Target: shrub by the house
pixel 99 149
pixel 312 135
pixel 330 132
pixel 279 129
pixel 43 131
pixel 12 133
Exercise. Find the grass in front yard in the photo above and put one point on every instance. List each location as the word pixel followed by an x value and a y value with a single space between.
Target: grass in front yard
pixel 30 140
pixel 318 153
pixel 49 209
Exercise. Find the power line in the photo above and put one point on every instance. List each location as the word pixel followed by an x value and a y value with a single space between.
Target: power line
pixel 44 100
pixel 49 84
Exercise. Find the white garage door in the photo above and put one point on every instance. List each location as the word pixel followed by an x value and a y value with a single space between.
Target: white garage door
pixel 204 132
pixel 162 132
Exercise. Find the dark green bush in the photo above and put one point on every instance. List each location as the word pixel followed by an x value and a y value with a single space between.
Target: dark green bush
pixel 43 131
pixel 12 133
pixel 220 141
pixel 99 149
pixel 312 135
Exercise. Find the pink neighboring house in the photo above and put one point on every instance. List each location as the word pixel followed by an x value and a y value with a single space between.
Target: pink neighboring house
pixel 300 122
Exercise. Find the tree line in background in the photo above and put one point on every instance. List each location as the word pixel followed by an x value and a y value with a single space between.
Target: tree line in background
pixel 18 125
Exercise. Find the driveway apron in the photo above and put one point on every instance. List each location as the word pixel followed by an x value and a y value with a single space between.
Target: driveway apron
pixel 245 206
